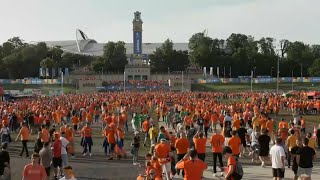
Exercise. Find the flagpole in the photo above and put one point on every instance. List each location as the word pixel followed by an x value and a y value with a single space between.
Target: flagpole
pixel 124 81
pixel 62 82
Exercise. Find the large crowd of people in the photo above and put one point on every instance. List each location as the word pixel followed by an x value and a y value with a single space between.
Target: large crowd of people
pixel 176 127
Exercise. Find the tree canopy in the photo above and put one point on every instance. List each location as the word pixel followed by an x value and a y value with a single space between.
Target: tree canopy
pixel 240 52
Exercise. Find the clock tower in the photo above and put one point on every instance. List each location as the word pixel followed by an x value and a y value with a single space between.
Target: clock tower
pixel 137 68
pixel 137 33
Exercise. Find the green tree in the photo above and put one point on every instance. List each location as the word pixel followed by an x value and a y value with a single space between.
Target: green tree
pixel 201 50
pixel 166 58
pixel 314 70
pixel 98 64
pixel 55 54
pixel 114 56
pixel 13 64
pixel 7 49
pixel 16 42
pixel 47 63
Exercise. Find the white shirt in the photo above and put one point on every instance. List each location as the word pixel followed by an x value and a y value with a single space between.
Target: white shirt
pixel 228 118
pixel 276 153
pixel 5 130
pixel 64 143
pixel 64 178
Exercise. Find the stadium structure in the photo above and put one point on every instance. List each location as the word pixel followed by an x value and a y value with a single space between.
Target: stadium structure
pixel 84 45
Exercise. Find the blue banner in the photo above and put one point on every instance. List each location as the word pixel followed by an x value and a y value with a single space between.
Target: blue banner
pixel 137 42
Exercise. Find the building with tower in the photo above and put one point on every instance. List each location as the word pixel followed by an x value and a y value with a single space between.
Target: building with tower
pixel 138 66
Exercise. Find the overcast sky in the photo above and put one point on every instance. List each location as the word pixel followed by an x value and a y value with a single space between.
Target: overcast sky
pixel 111 20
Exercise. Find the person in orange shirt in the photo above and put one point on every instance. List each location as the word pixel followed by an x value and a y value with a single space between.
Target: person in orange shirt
pixel 162 151
pixel 87 139
pixel 111 136
pixel 214 119
pixel 33 170
pixel 200 145
pixel 192 166
pixel 24 133
pixel 75 122
pixel 45 134
pixel 236 124
pixel 217 142
pixel 182 145
pixel 270 125
pixel 145 128
pixel 156 166
pixel 235 144
pixel 231 163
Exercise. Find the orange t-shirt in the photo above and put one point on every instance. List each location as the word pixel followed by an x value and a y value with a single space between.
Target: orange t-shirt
pixel 162 150
pixel 200 145
pixel 236 124
pixel 235 143
pixel 182 145
pixel 231 161
pixel 75 120
pixel 45 135
pixel 34 172
pixel 145 126
pixel 24 131
pixel 110 136
pixel 193 169
pixel 86 131
pixel 270 126
pixel 217 142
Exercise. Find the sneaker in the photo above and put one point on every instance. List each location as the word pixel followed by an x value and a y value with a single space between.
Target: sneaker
pixel 221 174
pixel 263 164
pixel 90 154
pixel 84 154
pixel 250 153
pixel 214 175
pixel 135 164
pixel 252 160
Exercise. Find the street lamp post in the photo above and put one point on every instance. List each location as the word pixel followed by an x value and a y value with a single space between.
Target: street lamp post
pixel 278 73
pixel 124 81
pixel 182 82
pixel 254 71
pixel 62 81
pixel 271 71
pixel 101 73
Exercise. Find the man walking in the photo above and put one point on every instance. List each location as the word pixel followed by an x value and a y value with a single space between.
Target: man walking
pixel 182 145
pixel 305 156
pixel 46 157
pixel 217 142
pixel 277 156
pixel 64 154
pixel 24 133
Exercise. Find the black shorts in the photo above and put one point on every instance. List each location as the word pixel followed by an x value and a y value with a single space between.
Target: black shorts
pixel 57 162
pixel 48 169
pixel 75 127
pixel 278 172
pixel 112 146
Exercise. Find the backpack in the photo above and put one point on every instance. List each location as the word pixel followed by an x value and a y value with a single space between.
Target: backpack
pixel 238 173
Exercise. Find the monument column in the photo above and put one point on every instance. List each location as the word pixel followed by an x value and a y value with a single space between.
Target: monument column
pixel 137 34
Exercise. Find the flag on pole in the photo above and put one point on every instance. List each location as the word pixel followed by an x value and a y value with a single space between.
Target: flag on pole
pixel 40 72
pixel 47 72
pixel 211 71
pixel 66 71
pixel 205 71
